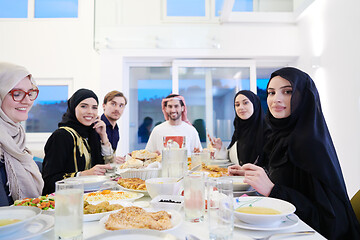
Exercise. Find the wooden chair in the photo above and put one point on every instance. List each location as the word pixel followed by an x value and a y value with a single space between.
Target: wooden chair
pixel 355 202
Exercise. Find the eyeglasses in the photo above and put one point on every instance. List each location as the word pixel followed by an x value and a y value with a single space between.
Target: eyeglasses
pixel 18 95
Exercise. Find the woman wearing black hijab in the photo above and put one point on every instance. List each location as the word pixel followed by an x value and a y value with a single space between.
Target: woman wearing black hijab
pixel 250 129
pixel 74 148
pixel 303 165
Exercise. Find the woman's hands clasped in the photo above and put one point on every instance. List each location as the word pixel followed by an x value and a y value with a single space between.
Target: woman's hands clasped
pixel 254 176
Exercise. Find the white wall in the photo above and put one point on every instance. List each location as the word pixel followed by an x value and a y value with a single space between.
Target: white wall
pixel 330 36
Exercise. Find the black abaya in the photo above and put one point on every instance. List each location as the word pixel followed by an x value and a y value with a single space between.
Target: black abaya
pixel 303 163
pixel 59 149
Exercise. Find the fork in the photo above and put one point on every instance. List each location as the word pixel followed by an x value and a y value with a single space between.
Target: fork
pixel 286 234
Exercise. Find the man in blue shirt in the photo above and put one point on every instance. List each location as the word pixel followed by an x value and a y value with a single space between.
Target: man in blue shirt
pixel 113 105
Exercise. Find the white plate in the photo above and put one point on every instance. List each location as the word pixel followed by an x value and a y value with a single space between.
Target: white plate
pixel 250 192
pixel 22 213
pixel 219 161
pixel 287 222
pixel 238 183
pixel 134 234
pixel 132 190
pixel 91 183
pixel 176 220
pixel 39 225
pixel 119 201
pixel 98 216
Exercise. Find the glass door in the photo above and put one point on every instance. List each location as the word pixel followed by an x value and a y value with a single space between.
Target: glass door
pixel 209 87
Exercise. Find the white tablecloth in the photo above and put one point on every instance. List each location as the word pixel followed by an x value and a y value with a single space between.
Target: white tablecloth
pixel 200 230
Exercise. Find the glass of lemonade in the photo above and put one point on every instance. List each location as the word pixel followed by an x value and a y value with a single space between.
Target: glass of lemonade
pixel 194 197
pixel 69 209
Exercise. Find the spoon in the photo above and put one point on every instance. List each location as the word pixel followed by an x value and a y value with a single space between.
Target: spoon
pixel 284 234
pixel 191 171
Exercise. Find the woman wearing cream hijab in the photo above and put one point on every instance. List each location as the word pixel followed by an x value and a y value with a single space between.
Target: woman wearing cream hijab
pixel 20 176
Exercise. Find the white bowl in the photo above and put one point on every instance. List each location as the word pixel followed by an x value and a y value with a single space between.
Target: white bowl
pixel 177 203
pixel 238 183
pixel 22 213
pixel 91 182
pixel 285 208
pixel 163 186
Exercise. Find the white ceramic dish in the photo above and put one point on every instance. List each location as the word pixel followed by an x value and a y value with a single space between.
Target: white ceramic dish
pixel 134 234
pixel 285 208
pixel 219 161
pixel 156 204
pixel 91 182
pixel 176 220
pixel 132 190
pixel 119 201
pixel 238 183
pixel 38 226
pixel 163 186
pixel 98 216
pixel 286 222
pixel 22 213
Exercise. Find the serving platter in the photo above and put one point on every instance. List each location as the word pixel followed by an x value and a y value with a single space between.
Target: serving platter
pixel 133 190
pixel 98 216
pixel 176 221
pixel 97 197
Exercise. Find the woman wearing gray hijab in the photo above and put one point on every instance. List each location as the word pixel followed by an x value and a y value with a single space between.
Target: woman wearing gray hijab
pixel 19 175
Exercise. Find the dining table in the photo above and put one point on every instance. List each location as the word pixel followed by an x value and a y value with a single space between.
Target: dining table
pixel 200 229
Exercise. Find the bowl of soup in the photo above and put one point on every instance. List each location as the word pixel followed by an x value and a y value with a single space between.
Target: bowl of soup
pixel 15 217
pixel 262 210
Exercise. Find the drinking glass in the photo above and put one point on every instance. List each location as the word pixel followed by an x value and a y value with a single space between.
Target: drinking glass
pixel 174 162
pixel 199 158
pixel 194 197
pixel 220 208
pixel 69 209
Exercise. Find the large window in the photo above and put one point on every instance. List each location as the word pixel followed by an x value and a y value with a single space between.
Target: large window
pixel 48 108
pixel 148 86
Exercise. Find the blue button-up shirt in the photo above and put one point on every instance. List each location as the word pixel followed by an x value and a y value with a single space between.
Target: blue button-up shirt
pixel 112 133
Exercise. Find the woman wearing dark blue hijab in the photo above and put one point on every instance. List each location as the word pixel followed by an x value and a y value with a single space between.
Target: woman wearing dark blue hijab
pixel 302 161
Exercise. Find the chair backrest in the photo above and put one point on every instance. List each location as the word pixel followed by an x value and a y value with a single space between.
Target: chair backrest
pixel 355 202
